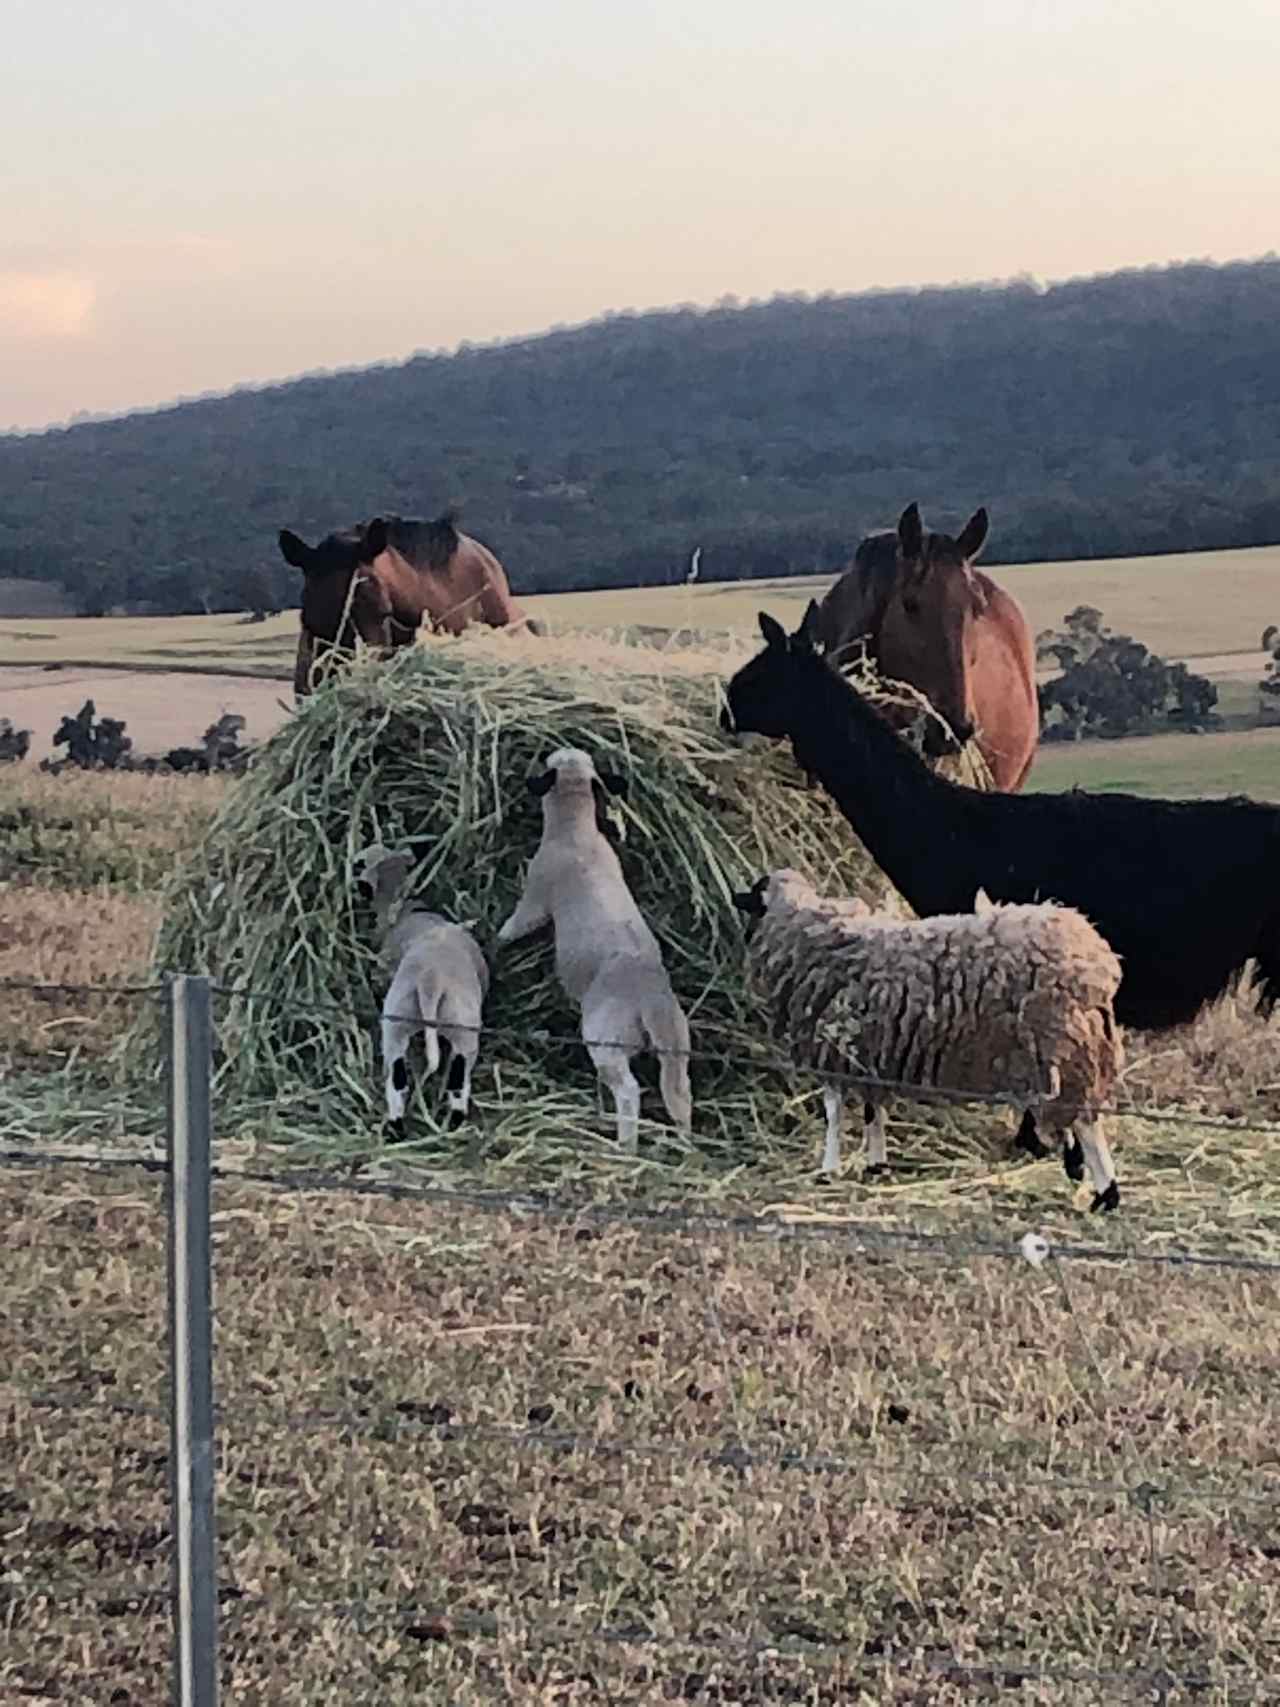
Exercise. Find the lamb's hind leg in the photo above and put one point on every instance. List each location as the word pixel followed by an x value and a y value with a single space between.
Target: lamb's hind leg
pixel 1097 1158
pixel 464 1042
pixel 833 1103
pixel 397 1030
pixel 613 1065
pixel 1028 1138
pixel 877 1150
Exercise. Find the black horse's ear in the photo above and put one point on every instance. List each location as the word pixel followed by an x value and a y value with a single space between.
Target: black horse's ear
pixel 614 782
pixel 295 551
pixel 775 635
pixel 911 533
pixel 805 638
pixel 375 539
pixel 540 785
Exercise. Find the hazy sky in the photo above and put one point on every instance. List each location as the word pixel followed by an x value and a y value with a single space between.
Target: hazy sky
pixel 195 193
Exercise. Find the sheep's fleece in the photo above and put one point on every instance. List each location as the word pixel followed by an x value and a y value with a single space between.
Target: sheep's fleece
pixel 1009 999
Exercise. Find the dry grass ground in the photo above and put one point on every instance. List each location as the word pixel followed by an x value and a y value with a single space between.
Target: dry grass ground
pixel 82 860
pixel 426 1492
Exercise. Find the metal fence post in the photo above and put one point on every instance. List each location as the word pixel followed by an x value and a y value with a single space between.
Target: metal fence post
pixel 195 1582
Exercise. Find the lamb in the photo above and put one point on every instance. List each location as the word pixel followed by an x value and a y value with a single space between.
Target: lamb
pixel 1011 999
pixel 607 958
pixel 438 986
pixel 1186 892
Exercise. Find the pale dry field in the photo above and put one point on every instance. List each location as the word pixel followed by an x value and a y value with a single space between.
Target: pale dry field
pixel 1197 605
pixel 160 710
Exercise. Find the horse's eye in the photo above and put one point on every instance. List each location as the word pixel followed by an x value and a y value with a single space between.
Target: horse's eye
pixel 911 606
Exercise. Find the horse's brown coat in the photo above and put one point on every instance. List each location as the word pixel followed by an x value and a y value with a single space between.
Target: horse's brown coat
pixel 389 576
pixel 927 617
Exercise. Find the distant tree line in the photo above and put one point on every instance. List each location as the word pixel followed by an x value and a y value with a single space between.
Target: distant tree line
pixel 1134 413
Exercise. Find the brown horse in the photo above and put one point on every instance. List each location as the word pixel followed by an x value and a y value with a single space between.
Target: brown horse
pixel 388 576
pixel 929 618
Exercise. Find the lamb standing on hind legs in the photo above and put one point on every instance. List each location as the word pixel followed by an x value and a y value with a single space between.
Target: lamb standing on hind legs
pixel 438 986
pixel 607 958
pixel 1014 1000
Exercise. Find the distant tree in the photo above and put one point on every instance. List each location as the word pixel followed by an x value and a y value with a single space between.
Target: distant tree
pixel 1111 685
pixel 92 742
pixel 1269 686
pixel 15 744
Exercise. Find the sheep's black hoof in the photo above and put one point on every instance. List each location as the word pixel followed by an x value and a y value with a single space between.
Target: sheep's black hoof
pixel 1027 1140
pixel 397 1131
pixel 1073 1160
pixel 456 1119
pixel 876 1170
pixel 1106 1200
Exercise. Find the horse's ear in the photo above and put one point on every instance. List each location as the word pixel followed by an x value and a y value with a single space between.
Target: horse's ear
pixel 295 551
pixel 974 537
pixel 911 533
pixel 540 785
pixel 375 539
pixel 775 635
pixel 805 638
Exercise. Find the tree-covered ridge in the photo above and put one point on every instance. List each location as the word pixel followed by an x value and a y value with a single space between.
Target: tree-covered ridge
pixel 1133 413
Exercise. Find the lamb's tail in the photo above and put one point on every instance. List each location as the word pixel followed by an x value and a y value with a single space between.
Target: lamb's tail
pixel 430 996
pixel 667 1029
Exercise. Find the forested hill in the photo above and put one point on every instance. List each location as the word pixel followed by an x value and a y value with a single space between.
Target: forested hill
pixel 1138 412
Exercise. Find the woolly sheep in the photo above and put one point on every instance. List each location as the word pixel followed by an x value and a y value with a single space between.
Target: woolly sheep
pixel 1014 1000
pixel 438 984
pixel 607 958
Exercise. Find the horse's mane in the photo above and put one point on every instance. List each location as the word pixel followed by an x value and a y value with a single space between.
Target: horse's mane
pixel 425 544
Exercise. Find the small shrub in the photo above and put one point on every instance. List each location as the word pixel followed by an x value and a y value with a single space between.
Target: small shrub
pixel 1111 685
pixel 14 743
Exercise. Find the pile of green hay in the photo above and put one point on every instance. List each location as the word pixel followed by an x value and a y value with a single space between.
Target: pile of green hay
pixel 437 745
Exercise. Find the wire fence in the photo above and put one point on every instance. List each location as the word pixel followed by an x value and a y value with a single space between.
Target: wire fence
pixel 201 1595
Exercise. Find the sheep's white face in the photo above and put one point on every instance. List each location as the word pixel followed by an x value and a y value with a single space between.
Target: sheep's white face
pixel 575 771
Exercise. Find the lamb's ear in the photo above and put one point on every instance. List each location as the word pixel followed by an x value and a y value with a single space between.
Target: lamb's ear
pixel 614 782
pixel 751 901
pixel 295 551
pixel 540 785
pixel 775 635
pixel 974 536
pixel 910 533
pixel 421 850
pixel 982 902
